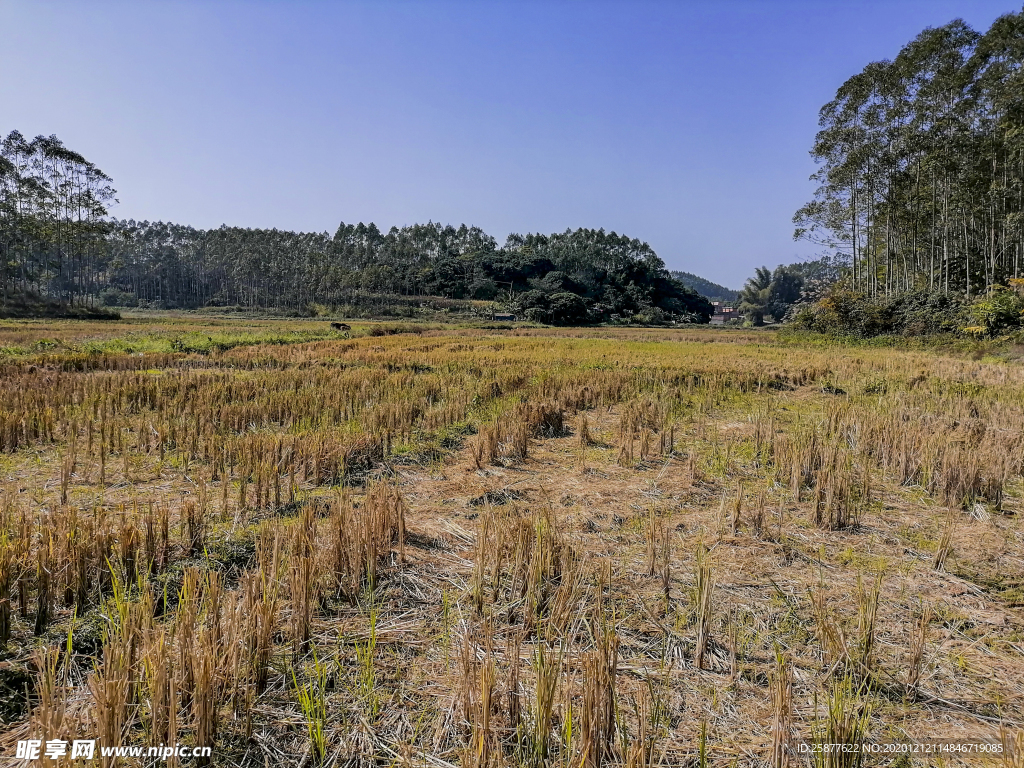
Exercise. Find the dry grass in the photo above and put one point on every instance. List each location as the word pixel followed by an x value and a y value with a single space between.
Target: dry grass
pixel 524 548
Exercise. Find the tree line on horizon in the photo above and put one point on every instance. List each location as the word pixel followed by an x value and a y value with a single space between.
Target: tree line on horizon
pixel 57 240
pixel 564 277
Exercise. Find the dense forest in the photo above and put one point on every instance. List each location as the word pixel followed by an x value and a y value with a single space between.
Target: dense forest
pixel 922 165
pixel 57 240
pixel 570 277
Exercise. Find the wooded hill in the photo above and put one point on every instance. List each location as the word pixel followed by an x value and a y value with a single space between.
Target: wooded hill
pixel 571 277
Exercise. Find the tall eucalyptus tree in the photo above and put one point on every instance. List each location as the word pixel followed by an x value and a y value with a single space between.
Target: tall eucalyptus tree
pixel 921 164
pixel 53 208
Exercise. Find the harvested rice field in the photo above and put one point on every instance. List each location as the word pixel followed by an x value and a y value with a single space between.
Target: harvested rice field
pixel 435 546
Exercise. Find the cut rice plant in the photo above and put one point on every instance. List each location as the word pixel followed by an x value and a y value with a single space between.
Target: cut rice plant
pixel 782 706
pixel 366 667
pixel 312 696
pixel 838 734
pixel 703 592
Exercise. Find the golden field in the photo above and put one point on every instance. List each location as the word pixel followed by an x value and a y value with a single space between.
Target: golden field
pixel 433 546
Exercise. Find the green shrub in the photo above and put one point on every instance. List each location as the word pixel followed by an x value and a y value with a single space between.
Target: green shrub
pixel 568 309
pixel 115 297
pixel 538 315
pixel 847 312
pixel 1001 310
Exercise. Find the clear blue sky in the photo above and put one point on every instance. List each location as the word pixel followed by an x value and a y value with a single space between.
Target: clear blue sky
pixel 685 124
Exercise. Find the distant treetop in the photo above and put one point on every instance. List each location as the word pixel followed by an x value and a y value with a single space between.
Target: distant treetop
pixel 706 288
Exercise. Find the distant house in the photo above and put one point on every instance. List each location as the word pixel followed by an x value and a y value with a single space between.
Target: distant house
pixel 505 318
pixel 723 313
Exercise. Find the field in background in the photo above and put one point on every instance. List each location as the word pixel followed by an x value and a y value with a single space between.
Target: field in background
pixel 427 545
